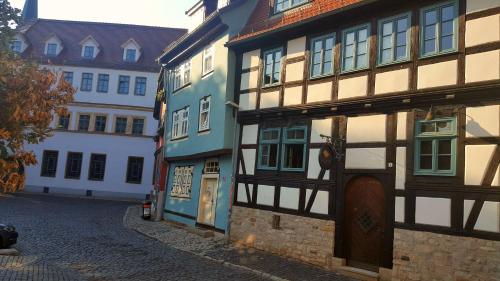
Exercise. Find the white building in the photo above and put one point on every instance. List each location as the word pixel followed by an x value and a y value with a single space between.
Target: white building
pixel 104 147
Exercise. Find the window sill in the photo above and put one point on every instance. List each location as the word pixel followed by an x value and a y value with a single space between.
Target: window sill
pixel 96 179
pixel 270 86
pixel 139 95
pixel 133 182
pixel 102 92
pixel 72 178
pixel 204 132
pixel 392 63
pixel 181 88
pixel 435 174
pixel 180 138
pixel 352 71
pixel 122 93
pixel 444 53
pixel 205 75
pixel 319 77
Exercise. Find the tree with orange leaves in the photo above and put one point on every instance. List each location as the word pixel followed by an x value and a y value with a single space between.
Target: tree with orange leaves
pixel 29 98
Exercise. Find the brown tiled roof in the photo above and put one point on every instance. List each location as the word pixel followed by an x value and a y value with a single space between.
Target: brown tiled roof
pixel 110 37
pixel 262 21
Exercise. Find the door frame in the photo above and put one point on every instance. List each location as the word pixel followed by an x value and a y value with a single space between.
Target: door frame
pixel 389 193
pixel 216 193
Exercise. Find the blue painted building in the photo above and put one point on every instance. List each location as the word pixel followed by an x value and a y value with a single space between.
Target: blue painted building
pixel 199 126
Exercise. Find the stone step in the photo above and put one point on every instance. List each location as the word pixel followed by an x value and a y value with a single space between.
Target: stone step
pixel 359 273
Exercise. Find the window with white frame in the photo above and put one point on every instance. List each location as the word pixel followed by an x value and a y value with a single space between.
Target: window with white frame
pixel 204 122
pixel 211 166
pixel 180 123
pixel 88 52
pixel 182 75
pixel 182 182
pixel 130 55
pixel 51 49
pixel 355 48
pixel 16 46
pixel 208 59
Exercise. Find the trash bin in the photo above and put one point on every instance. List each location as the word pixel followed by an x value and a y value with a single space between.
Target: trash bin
pixel 146 210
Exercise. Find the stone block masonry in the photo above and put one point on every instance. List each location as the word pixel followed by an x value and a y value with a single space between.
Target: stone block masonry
pixel 306 239
pixel 429 256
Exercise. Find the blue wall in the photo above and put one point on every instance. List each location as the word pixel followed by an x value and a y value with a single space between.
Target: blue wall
pixel 190 206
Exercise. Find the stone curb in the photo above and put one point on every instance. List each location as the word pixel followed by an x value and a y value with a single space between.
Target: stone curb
pixel 115 199
pixel 220 261
pixel 9 252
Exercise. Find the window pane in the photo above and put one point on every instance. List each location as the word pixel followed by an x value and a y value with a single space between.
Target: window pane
pixel 327 68
pixel 447 43
pixel 447 28
pixel 362 61
pixel 294 156
pixel 387 42
pixel 317 58
pixel 426 147
pixel 348 63
pixel 444 162
pixel 361 48
pixel 329 43
pixel 402 25
pixel 443 126
pixel 401 39
pixel 444 147
pixel 349 51
pixel 447 13
pixel 362 34
pixel 387 28
pixel 428 128
pixel 273 153
pixel 316 70
pixel 349 38
pixel 401 52
pixel 387 55
pixel 426 162
pixel 318 45
pixel 430 46
pixel 430 32
pixel 430 17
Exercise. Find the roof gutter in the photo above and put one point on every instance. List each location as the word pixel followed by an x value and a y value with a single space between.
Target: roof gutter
pixel 299 23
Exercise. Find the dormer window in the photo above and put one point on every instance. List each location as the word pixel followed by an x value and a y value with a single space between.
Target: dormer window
pixel 51 49
pixel 282 5
pixel 130 55
pixel 88 52
pixel 16 46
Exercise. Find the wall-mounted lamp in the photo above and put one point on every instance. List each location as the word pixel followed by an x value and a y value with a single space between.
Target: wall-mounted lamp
pixel 430 114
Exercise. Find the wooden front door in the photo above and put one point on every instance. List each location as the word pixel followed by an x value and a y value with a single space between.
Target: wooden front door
pixel 208 198
pixel 364 222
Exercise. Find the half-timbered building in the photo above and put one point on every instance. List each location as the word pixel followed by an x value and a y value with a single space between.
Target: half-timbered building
pixel 370 136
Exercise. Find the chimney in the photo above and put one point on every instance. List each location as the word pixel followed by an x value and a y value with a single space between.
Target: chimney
pixel 30 11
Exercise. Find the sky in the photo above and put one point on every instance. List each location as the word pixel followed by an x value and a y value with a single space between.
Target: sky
pixel 166 13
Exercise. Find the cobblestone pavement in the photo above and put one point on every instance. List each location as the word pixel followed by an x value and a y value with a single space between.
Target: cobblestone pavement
pixel 266 265
pixel 80 239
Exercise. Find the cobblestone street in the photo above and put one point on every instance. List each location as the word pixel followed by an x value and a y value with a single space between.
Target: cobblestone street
pixel 79 239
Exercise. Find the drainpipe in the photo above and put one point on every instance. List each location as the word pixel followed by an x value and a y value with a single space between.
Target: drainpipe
pixel 236 135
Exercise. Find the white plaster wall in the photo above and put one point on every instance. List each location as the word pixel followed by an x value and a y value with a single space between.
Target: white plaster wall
pixel 391 81
pixel 353 87
pixel 242 193
pixel 467 209
pixel 112 96
pixel 292 96
pixel 365 158
pixel 265 195
pixel 294 71
pixel 319 92
pixel 250 59
pixel 489 218
pixel 401 130
pixel 320 205
pixel 477 158
pixel 433 211
pixel 249 80
pixel 478 5
pixel 483 121
pixel 320 127
pixel 296 47
pixel 117 150
pixel 313 168
pixel 437 74
pixel 482 30
pixel 248 101
pixel 249 135
pixel 366 129
pixel 482 66
pixel 289 198
pixel 399 209
pixel 400 167
pixel 269 99
pixel 249 157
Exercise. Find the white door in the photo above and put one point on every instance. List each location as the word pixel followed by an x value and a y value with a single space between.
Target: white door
pixel 208 198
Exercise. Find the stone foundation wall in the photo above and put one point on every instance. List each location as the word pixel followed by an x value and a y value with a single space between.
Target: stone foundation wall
pixel 429 256
pixel 306 239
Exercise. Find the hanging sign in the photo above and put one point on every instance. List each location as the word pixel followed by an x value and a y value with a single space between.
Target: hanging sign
pixel 326 156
